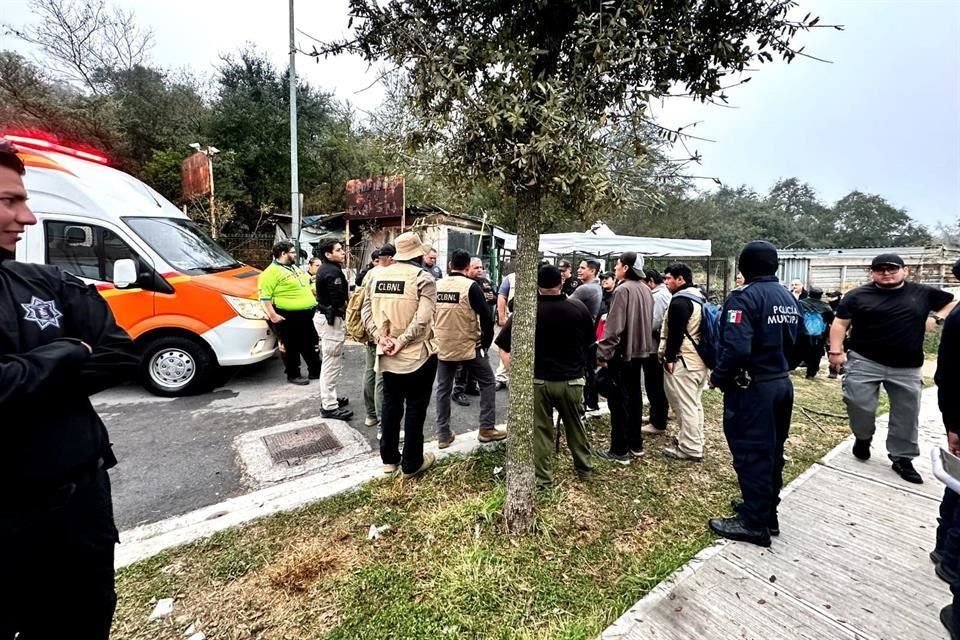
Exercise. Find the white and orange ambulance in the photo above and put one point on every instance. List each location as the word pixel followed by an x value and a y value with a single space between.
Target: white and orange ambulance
pixel 188 304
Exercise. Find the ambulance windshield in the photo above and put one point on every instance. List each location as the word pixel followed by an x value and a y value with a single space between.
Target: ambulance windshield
pixel 183 245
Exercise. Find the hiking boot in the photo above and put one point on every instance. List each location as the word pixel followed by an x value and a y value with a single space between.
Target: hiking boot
pixel 773 522
pixel 390 469
pixel 445 440
pixel 428 460
pixel 735 529
pixel 677 454
pixel 336 414
pixel 619 458
pixel 460 399
pixel 946 619
pixel 650 430
pixel 342 402
pixel 904 467
pixel 861 448
pixel 491 434
pixel 299 380
pixel 371 421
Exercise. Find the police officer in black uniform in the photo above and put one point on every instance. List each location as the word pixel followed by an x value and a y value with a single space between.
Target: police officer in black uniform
pixel 59 344
pixel 758 328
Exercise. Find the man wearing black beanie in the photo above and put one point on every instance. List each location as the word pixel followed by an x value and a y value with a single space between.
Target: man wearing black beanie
pixel 564 335
pixel 758 328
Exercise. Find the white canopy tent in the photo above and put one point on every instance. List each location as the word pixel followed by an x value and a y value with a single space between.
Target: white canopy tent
pixel 602 245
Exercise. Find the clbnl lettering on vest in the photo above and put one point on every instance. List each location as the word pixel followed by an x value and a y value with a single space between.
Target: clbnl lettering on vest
pixel 390 286
pixel 457 325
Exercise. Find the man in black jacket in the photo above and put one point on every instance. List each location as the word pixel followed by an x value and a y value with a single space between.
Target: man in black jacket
pixel 59 344
pixel 946 555
pixel 331 311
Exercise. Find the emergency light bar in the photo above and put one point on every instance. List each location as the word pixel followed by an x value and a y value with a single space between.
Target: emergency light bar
pixel 48 145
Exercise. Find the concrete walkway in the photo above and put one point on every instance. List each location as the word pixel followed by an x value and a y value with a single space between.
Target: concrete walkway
pixel 851 562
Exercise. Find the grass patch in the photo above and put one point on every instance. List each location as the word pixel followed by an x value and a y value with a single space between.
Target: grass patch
pixel 445 568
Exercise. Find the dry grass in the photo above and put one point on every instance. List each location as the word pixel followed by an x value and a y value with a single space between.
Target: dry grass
pixel 446 568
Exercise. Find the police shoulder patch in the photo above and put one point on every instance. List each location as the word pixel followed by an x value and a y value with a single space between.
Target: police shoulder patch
pixel 734 316
pixel 43 313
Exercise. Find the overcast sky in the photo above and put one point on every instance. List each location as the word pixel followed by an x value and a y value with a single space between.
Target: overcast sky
pixel 884 117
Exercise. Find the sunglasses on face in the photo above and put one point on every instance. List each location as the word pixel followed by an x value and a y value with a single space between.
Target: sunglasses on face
pixel 886 268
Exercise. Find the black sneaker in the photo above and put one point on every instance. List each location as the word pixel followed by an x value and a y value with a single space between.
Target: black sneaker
pixel 861 448
pixel 299 380
pixel 314 376
pixel 342 402
pixel 619 458
pixel 460 399
pixel 904 467
pixel 336 414
pixel 500 386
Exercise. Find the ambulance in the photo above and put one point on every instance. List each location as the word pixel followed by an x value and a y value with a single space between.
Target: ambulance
pixel 187 303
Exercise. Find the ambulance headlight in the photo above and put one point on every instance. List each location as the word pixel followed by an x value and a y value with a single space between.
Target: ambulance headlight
pixel 246 308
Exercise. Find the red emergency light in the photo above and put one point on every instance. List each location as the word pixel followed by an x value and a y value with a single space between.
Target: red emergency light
pixel 44 144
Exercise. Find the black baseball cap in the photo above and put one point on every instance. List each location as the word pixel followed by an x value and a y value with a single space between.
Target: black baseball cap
pixel 388 250
pixel 887 259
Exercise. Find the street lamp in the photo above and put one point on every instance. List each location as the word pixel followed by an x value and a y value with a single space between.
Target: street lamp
pixel 209 151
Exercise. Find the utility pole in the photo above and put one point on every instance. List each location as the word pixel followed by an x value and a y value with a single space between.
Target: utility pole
pixel 294 174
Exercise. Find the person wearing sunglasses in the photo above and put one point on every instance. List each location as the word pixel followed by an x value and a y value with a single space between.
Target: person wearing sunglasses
pixel 886 320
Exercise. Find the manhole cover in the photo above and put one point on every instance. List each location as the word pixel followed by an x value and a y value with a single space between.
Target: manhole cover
pixel 291 447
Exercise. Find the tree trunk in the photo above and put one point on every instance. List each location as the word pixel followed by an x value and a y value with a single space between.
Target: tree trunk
pixel 518 507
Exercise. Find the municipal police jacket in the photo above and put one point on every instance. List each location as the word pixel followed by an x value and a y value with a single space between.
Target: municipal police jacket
pixel 758 329
pixel 51 433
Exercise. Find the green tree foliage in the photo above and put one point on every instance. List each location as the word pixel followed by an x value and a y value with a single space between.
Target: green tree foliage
pixel 535 96
pixel 867 220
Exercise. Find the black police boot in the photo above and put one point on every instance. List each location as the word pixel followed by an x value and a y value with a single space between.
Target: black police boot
pixel 773 522
pixel 340 413
pixel 736 529
pixel 946 618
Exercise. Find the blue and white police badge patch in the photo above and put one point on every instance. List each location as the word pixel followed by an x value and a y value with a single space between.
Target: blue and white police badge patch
pixel 42 312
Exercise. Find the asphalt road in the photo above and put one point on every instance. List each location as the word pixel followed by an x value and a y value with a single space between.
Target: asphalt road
pixel 177 455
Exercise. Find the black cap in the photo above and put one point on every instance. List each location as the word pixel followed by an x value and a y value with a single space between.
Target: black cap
pixel 883 259
pixel 816 293
pixel 758 258
pixel 564 264
pixel 375 255
pixel 388 250
pixel 549 277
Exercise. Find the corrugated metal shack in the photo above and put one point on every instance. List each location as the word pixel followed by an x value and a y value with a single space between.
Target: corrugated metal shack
pixel 844 269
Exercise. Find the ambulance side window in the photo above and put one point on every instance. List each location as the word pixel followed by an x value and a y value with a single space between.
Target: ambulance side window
pixel 86 250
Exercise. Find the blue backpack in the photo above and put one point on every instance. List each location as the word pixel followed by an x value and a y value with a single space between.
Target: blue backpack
pixel 709 344
pixel 813 323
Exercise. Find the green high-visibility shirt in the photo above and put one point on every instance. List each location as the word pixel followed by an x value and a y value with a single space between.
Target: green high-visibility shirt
pixel 286 287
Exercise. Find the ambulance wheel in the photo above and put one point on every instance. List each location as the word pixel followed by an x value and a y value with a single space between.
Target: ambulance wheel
pixel 175 366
